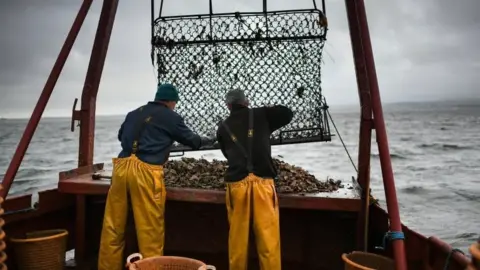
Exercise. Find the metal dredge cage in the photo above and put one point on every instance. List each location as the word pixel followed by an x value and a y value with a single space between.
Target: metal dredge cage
pixel 274 56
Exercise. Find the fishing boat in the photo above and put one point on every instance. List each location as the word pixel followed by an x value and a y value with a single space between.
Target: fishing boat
pixel 316 229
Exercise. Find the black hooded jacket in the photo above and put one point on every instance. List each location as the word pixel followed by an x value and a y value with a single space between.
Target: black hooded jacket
pixel 266 121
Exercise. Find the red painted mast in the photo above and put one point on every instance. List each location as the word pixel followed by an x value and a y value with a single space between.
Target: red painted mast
pixel 366 125
pixel 367 79
pixel 92 82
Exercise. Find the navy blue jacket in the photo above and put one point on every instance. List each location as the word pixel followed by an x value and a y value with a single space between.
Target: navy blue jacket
pixel 165 127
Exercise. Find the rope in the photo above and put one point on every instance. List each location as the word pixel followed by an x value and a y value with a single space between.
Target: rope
pixel 340 137
pixel 449 257
pixel 373 200
pixel 391 236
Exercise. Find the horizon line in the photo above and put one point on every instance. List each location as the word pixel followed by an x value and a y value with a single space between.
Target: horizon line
pixel 331 107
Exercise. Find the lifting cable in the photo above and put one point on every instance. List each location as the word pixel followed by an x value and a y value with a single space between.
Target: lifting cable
pixel 343 143
pixel 373 200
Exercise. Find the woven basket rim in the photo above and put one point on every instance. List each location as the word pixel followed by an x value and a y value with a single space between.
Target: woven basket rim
pixel 134 265
pixel 169 257
pixel 356 265
pixel 60 233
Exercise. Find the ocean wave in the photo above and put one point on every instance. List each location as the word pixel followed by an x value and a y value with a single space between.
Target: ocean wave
pixel 66 139
pixel 414 190
pixel 469 196
pixel 415 168
pixel 443 146
pixel 6 135
pixel 392 156
pixel 468 235
pixel 33 173
pixel 448 124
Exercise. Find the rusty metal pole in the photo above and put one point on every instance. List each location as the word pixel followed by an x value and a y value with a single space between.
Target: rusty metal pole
pixel 44 97
pixel 366 124
pixel 361 25
pixel 92 82
pixel 382 142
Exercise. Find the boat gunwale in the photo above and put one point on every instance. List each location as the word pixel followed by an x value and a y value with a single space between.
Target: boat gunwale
pixel 79 182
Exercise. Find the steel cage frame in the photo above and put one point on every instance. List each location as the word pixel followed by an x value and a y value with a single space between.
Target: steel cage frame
pixel 321 128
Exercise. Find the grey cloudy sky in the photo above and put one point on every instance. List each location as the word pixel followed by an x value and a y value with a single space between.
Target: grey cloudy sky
pixel 424 50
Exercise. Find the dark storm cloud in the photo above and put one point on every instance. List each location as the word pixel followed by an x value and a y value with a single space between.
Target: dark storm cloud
pixel 436 42
pixel 32 32
pixel 423 50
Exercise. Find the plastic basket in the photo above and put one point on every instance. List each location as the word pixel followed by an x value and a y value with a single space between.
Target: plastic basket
pixel 136 262
pixel 41 250
pixel 358 260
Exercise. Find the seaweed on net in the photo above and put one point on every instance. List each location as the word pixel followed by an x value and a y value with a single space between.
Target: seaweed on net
pixel 275 57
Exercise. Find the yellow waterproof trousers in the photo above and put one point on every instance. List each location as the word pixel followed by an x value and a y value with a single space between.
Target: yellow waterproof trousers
pixel 143 185
pixel 253 197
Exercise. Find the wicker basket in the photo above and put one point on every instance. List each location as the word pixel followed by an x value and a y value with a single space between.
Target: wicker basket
pixel 165 263
pixel 41 250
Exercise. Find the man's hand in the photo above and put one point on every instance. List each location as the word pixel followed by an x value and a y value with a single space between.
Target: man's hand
pixel 208 140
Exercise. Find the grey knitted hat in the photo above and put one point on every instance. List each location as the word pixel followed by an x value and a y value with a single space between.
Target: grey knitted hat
pixel 236 96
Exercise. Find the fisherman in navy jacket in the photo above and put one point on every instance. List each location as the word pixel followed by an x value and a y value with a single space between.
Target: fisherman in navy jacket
pixel 146 136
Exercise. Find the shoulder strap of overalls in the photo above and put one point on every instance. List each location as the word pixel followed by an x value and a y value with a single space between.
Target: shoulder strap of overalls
pixel 139 128
pixel 246 152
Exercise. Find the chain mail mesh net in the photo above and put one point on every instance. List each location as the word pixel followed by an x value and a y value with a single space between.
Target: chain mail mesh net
pixel 275 57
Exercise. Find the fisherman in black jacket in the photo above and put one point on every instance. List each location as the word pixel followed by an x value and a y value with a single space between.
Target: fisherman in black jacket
pixel 244 139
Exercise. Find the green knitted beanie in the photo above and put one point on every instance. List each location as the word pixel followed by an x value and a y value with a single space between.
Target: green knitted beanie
pixel 167 92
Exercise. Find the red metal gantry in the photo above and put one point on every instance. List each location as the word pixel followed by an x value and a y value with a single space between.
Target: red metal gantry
pixel 367 86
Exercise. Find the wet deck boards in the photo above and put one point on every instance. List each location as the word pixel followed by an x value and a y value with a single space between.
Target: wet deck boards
pixel 345 199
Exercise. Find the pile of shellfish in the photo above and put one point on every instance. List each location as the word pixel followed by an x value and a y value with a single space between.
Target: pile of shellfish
pixel 204 174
